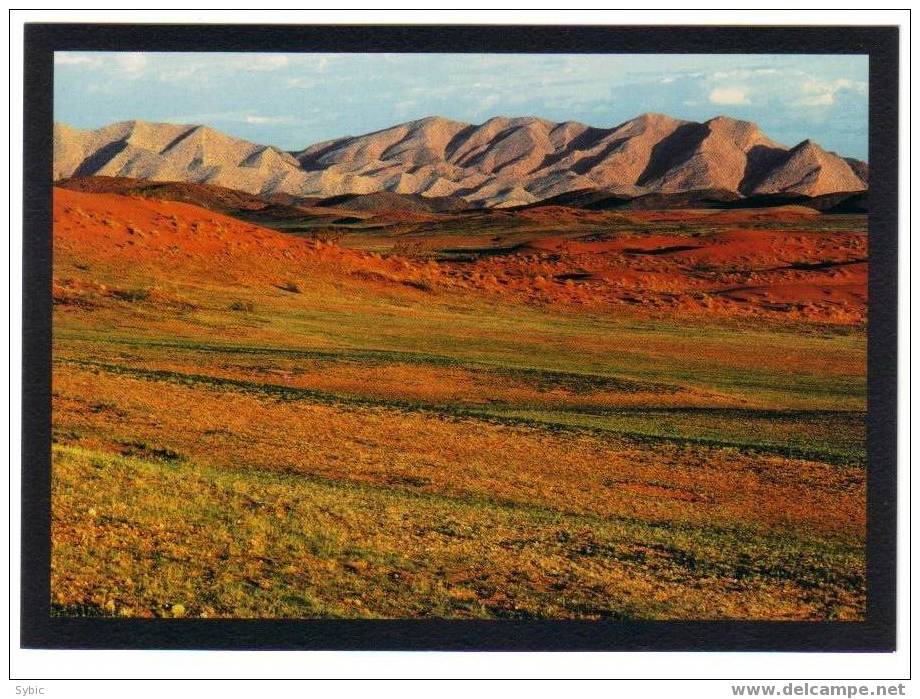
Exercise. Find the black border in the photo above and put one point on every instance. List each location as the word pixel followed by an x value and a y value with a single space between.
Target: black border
pixel 40 630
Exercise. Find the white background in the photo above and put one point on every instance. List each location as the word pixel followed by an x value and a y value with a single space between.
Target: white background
pixel 25 665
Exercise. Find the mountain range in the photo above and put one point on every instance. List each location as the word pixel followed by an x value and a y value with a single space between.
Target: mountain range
pixel 501 162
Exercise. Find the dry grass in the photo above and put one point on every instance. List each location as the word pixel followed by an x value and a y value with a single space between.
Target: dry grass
pixel 137 537
pixel 377 448
pixel 573 471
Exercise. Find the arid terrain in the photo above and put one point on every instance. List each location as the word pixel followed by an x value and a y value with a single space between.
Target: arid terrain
pixel 387 404
pixel 500 163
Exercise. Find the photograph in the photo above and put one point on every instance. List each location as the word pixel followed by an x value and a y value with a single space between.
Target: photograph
pixel 460 336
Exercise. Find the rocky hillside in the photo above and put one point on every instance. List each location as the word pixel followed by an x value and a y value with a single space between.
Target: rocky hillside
pixel 502 162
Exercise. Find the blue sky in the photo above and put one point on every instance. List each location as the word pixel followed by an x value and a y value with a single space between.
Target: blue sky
pixel 294 100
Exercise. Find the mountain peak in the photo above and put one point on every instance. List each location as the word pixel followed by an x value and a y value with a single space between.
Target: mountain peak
pixel 727 120
pixel 808 148
pixel 809 169
pixel 653 116
pixel 435 122
pixel 434 119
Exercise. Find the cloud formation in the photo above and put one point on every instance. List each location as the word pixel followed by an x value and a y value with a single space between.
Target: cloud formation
pixel 729 95
pixel 256 119
pixel 131 65
pixel 291 100
pixel 118 65
pixel 823 93
pixel 62 58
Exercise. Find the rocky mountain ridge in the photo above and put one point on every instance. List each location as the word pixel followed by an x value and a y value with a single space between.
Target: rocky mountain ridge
pixel 501 162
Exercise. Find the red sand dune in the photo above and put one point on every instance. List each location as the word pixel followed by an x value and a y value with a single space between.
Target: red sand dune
pixel 168 234
pixel 807 275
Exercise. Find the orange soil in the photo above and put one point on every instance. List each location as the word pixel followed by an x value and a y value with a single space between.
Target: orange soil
pixel 573 472
pixel 177 241
pixel 139 229
pixel 796 274
pixel 810 275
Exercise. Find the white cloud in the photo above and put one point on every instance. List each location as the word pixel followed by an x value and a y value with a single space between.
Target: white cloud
pixel 256 119
pixel 742 73
pixel 729 95
pixel 303 83
pixel 131 65
pixel 124 65
pixel 203 68
pixel 263 62
pixel 822 100
pixel 823 93
pixel 487 103
pixel 171 68
pixel 177 75
pixel 64 58
pixel 229 117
